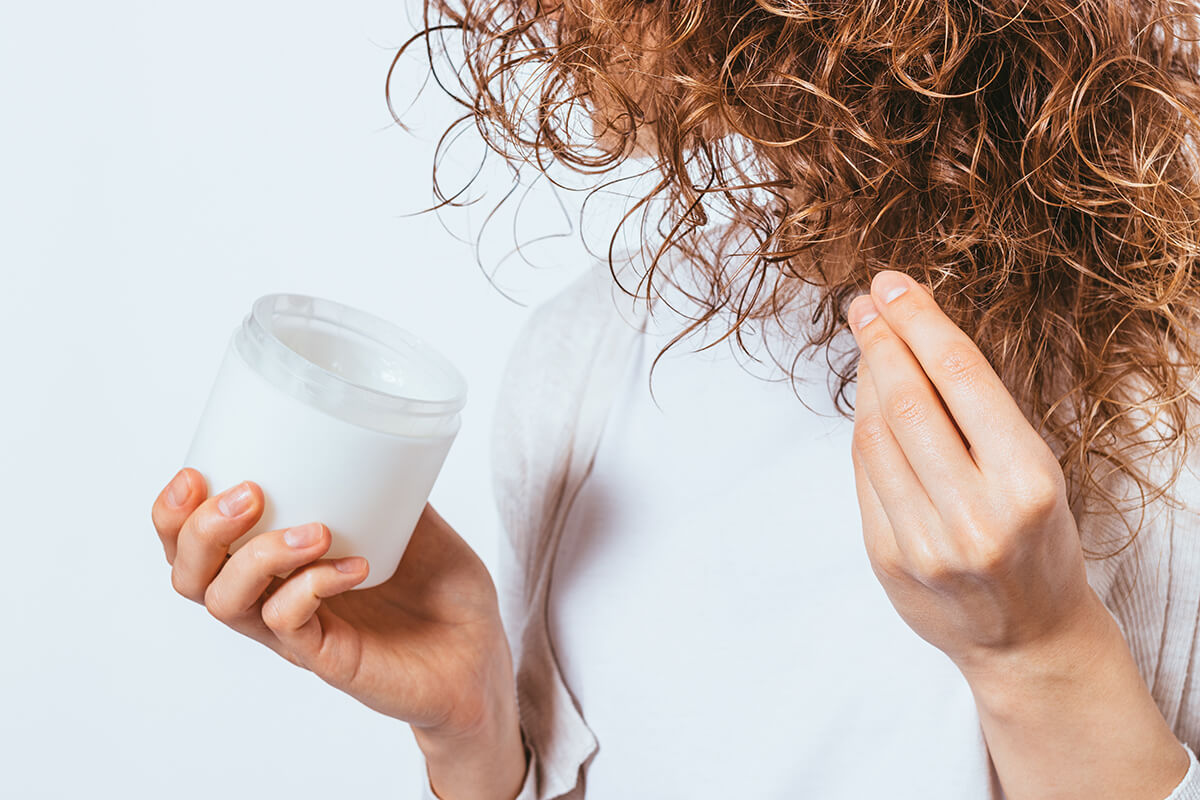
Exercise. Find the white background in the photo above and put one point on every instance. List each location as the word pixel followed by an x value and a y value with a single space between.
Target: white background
pixel 162 165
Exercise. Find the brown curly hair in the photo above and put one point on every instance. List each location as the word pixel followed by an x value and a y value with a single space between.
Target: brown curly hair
pixel 1033 163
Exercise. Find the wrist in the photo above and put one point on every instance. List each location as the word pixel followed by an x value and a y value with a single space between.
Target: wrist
pixel 484 761
pixel 491 730
pixel 1080 651
pixel 1071 711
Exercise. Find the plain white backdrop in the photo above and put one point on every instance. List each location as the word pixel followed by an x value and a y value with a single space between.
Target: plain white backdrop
pixel 162 165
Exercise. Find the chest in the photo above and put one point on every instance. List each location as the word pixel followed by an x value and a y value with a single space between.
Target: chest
pixel 712 603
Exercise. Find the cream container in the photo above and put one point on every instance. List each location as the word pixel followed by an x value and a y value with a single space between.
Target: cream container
pixel 341 418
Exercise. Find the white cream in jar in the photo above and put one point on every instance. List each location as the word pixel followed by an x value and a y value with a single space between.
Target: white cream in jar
pixel 340 417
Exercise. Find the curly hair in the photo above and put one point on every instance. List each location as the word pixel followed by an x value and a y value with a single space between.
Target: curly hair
pixel 1034 164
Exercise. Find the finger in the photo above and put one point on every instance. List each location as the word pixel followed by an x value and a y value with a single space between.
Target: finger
pixel 173 505
pixel 323 642
pixel 914 413
pixel 986 413
pixel 909 511
pixel 882 551
pixel 878 536
pixel 235 595
pixel 207 534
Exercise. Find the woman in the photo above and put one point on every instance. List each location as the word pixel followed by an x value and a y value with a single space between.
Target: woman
pixel 989 211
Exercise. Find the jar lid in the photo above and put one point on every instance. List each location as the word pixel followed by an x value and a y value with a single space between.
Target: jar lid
pixel 352 364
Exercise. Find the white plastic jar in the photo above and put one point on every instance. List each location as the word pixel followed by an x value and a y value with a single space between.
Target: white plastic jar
pixel 341 418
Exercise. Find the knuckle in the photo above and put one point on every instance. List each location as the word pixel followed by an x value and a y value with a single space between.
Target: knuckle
pixel 910 308
pixel 961 364
pixel 1046 490
pixel 183 585
pixel 931 565
pixel 260 554
pixel 273 615
pixel 207 526
pixel 873 336
pixel 906 404
pixel 931 571
pixel 886 563
pixel 312 584
pixel 1034 497
pixel 886 575
pixel 216 601
pixel 162 525
pixel 869 435
pixel 212 529
pixel 940 573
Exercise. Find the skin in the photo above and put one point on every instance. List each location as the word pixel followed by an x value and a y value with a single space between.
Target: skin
pixel 967 527
pixel 426 647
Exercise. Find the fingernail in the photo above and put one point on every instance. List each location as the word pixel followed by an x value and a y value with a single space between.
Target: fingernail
pixel 235 500
pixel 866 312
pixel 303 535
pixel 178 490
pixel 352 564
pixel 890 285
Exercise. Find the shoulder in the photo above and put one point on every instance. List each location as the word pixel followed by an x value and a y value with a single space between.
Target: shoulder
pixel 560 325
pixel 549 358
pixel 542 387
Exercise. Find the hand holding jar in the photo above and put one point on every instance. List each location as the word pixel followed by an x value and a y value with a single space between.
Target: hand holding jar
pixel 343 422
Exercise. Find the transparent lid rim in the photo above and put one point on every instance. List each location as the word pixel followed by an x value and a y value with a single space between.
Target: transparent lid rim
pixel 258 326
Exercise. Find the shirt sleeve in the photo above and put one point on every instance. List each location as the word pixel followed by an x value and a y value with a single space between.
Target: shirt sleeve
pixel 1188 788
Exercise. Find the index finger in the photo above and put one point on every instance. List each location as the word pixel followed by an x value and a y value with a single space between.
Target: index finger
pixel 981 405
pixel 172 507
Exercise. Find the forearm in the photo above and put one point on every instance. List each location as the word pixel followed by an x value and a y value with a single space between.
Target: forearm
pixel 1075 720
